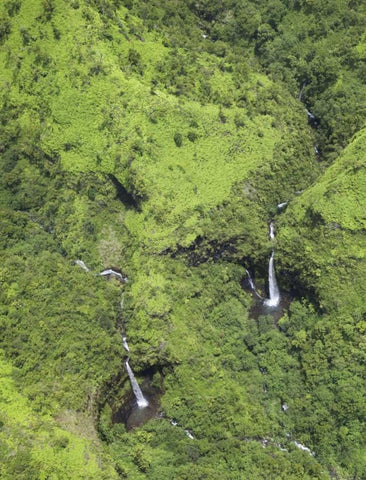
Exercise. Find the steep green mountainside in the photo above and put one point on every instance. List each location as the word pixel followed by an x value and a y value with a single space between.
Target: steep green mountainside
pixel 321 242
pixel 158 138
pixel 34 446
pixel 95 108
pixel 329 223
pixel 316 47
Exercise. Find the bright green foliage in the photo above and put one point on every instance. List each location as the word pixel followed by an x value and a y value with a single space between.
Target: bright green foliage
pixel 332 211
pixel 316 47
pixel 34 446
pixel 158 138
pixel 328 221
pixel 109 119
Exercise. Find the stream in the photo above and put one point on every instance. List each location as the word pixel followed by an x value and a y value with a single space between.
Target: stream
pixel 138 407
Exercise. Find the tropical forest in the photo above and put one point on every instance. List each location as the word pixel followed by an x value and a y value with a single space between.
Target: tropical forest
pixel 183 239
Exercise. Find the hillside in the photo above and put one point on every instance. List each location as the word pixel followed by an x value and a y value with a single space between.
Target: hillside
pixel 157 139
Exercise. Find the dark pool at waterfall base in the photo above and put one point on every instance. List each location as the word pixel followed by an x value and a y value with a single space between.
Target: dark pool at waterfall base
pixel 133 416
pixel 259 308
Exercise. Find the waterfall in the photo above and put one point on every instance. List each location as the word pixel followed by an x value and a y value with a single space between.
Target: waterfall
pixel 251 283
pixel 274 293
pixel 310 115
pixel 302 447
pixel 82 265
pixel 282 205
pixel 186 431
pixel 140 399
pixel 312 120
pixel 109 271
pixel 125 344
pixel 302 91
pixel 271 231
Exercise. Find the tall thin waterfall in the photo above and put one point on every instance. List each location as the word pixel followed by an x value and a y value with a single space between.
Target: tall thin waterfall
pixel 274 293
pixel 140 399
pixel 252 286
pixel 271 231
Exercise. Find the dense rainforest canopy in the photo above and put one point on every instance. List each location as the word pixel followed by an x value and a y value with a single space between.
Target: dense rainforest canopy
pixel 159 139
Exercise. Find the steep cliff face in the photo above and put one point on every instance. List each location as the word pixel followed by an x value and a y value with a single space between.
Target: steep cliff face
pixel 158 140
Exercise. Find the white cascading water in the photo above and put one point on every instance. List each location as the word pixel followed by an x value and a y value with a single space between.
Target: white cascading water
pixel 125 344
pixel 271 231
pixel 274 293
pixel 82 265
pixel 302 447
pixel 109 271
pixel 124 338
pixel 310 115
pixel 251 283
pixel 140 399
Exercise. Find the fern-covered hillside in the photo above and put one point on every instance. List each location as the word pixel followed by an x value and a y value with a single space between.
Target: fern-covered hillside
pixel 153 155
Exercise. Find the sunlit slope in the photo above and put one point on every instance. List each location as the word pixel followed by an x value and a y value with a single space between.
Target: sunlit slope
pixel 322 235
pixel 93 92
pixel 123 149
pixel 33 443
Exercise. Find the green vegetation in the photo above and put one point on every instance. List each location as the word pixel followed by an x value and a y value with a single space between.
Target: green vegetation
pixel 158 138
pixel 332 210
pixel 35 446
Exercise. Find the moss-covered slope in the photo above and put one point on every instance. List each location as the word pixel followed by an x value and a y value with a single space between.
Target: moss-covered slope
pixel 82 93
pixel 322 233
pixel 146 137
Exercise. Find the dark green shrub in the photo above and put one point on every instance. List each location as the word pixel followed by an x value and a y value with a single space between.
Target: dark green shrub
pixel 192 136
pixel 178 139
